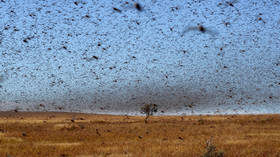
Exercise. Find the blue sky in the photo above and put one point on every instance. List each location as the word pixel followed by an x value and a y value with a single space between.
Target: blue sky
pixel 85 56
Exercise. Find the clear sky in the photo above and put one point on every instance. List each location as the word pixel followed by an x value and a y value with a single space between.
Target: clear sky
pixel 86 56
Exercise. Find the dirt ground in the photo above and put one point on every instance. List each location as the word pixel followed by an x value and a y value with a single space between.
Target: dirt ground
pixel 42 134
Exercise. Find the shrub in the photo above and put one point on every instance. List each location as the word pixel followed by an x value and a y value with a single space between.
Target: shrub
pixel 149 109
pixel 211 150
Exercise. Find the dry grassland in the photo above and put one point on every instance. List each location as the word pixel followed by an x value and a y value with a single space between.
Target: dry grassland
pixel 25 134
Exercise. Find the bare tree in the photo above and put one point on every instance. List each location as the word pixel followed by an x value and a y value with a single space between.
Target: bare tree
pixel 149 110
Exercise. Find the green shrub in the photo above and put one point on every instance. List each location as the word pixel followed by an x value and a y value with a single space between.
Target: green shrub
pixel 211 150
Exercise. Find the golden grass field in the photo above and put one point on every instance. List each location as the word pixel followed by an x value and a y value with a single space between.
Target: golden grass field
pixel 25 134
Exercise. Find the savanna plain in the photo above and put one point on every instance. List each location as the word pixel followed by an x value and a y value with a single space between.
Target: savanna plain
pixel 43 134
